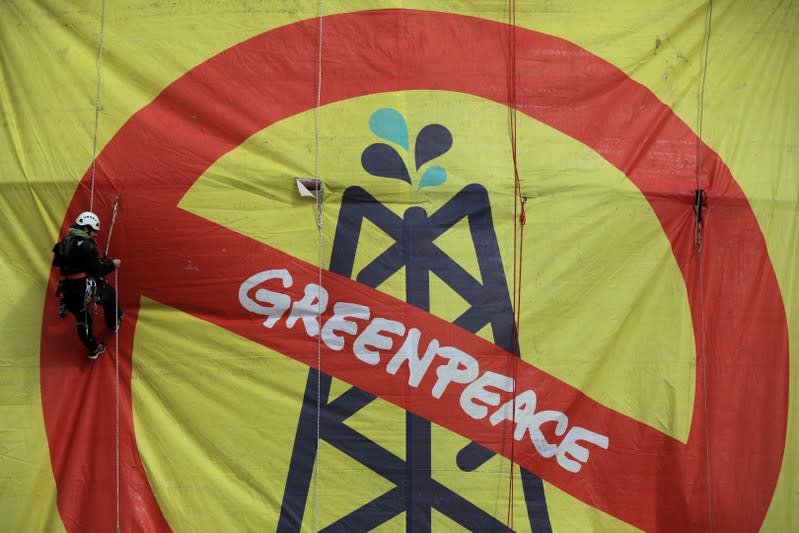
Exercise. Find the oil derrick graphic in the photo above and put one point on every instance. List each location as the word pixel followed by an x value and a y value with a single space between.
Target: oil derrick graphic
pixel 415 493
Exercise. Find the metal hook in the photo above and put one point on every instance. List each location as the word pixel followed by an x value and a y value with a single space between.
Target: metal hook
pixel 699 207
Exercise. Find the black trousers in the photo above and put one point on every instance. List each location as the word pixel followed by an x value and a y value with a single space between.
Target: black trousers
pixel 74 293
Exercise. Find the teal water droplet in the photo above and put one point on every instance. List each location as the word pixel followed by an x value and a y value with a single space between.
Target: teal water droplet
pixel 433 176
pixel 390 125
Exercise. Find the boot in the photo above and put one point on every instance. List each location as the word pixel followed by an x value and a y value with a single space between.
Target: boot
pixel 94 354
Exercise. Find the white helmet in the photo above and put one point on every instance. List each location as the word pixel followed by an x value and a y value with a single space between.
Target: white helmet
pixel 87 218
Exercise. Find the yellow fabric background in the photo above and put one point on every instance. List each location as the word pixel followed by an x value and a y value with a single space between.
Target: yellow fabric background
pixel 48 66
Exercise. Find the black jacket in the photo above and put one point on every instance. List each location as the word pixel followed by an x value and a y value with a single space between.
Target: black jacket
pixel 77 253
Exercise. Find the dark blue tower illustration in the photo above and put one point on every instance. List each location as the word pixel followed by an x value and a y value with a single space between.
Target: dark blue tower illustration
pixel 415 493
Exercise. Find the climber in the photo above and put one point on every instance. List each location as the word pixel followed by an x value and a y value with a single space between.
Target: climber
pixel 82 285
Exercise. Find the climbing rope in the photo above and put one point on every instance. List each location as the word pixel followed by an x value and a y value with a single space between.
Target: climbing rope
pixel 116 393
pixel 319 223
pixel 97 108
pixel 519 220
pixel 114 214
pixel 698 242
pixel 99 68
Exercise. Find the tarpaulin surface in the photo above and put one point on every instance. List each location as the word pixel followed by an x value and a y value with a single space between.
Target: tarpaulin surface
pixel 539 273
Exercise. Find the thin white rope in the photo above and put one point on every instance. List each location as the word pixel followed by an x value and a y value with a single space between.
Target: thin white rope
pixel 318 88
pixel 319 224
pixel 114 215
pixel 698 242
pixel 97 107
pixel 318 367
pixel 116 391
pixel 99 68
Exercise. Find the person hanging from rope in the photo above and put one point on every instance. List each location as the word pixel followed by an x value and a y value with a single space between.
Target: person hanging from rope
pixel 82 285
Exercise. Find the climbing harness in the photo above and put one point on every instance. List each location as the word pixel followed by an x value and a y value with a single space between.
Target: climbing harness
pixel 90 295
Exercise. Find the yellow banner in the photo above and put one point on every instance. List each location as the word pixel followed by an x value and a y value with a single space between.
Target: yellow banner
pixel 409 266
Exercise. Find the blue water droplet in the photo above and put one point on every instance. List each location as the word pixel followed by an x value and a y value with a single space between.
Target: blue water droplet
pixel 382 160
pixel 433 176
pixel 432 141
pixel 390 125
